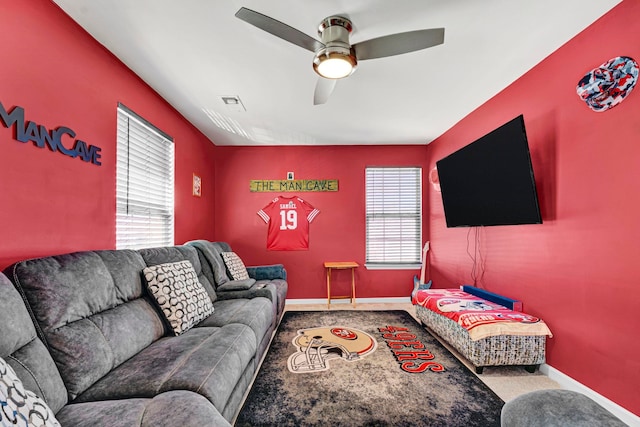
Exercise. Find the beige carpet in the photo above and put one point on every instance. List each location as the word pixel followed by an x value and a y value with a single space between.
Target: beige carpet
pixel 507 382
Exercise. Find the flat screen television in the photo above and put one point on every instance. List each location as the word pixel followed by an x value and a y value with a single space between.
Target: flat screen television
pixel 490 181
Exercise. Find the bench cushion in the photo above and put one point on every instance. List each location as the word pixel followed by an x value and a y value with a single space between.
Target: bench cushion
pixel 480 317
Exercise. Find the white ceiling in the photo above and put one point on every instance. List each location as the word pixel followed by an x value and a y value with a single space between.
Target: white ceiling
pixel 193 52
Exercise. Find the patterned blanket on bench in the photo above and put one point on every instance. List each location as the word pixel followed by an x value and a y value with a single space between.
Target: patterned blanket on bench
pixel 481 318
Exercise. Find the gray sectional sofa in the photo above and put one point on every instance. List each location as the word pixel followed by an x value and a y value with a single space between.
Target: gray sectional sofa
pixel 83 332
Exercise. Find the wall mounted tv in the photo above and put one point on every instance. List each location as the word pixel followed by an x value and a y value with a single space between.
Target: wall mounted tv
pixel 490 181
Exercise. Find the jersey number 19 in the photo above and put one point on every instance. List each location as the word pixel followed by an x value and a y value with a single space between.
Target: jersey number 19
pixel 288 220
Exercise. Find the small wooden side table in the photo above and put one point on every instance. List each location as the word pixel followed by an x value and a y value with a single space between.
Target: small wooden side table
pixel 341 265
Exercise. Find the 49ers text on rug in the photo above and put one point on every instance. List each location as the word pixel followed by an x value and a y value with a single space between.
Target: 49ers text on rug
pixel 411 354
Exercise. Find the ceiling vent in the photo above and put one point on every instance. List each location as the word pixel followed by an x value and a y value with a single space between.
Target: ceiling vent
pixel 233 103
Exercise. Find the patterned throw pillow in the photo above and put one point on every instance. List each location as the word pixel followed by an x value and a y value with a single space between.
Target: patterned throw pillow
pixel 236 267
pixel 20 407
pixel 181 297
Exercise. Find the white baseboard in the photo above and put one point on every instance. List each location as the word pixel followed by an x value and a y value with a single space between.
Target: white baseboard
pixel 389 300
pixel 568 383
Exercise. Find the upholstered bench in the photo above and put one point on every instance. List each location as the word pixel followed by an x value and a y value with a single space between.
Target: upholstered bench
pixel 556 408
pixel 520 343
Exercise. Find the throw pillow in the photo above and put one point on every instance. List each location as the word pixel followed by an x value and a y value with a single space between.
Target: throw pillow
pixel 21 407
pixel 177 291
pixel 235 266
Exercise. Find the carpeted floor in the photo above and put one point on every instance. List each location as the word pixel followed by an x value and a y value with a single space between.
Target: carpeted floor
pixel 364 368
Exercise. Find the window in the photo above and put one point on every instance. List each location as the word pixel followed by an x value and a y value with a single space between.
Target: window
pixel 144 183
pixel 394 217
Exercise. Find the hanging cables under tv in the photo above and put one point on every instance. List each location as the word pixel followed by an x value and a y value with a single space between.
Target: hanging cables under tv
pixel 477 268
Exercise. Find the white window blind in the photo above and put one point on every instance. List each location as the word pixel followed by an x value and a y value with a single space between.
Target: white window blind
pixel 394 217
pixel 144 183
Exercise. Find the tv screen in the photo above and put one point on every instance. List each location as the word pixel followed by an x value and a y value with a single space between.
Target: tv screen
pixel 490 181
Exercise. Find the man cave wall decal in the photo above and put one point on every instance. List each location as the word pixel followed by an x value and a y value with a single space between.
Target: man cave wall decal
pixel 25 131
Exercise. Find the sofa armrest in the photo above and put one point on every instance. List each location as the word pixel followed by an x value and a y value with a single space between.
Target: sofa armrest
pixel 510 303
pixel 259 290
pixel 236 285
pixel 267 272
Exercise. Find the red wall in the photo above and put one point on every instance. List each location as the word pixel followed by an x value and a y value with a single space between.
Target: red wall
pixel 336 234
pixel 579 269
pixel 51 203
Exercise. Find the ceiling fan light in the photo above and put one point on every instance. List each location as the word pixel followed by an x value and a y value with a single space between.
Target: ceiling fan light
pixel 335 63
pixel 334 68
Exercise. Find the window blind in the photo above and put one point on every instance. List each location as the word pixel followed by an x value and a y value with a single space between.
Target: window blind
pixel 144 184
pixel 393 216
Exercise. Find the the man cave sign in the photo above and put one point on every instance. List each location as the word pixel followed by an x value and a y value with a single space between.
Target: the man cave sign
pixel 25 131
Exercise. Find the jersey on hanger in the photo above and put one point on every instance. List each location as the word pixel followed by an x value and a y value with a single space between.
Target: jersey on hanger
pixel 288 219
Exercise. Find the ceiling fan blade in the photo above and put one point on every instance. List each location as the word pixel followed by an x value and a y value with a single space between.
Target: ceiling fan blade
pixel 396 44
pixel 279 29
pixel 324 88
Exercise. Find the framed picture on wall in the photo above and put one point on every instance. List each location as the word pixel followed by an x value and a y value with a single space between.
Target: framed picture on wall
pixel 197 185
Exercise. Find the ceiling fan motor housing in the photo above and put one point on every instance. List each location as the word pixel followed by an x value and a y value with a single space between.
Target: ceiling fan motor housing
pixel 334 33
pixel 335 28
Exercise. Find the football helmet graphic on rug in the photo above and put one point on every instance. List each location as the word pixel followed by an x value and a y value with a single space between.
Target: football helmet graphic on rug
pixel 316 346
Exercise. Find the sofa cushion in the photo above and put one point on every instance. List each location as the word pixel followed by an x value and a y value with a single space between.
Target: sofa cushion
pixel 19 406
pixel 92 311
pixel 37 370
pixel 209 254
pixel 255 313
pixel 24 351
pixel 235 266
pixel 208 361
pixel 174 408
pixel 179 294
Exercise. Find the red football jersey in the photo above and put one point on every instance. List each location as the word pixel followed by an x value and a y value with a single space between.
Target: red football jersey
pixel 288 219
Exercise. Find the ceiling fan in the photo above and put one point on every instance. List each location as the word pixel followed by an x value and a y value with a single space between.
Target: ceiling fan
pixel 335 58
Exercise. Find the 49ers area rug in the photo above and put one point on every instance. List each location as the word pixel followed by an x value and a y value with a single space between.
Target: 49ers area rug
pixel 364 368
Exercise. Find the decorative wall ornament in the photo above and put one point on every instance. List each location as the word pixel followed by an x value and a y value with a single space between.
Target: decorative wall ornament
pixel 197 185
pixel 434 179
pixel 292 185
pixel 608 85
